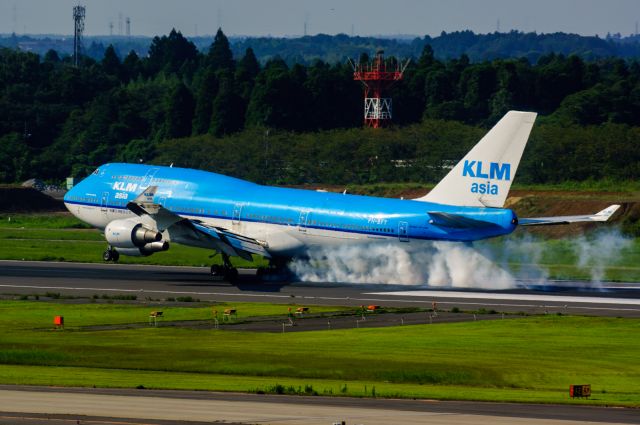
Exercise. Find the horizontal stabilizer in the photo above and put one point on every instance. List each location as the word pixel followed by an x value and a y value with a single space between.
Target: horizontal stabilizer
pixel 454 221
pixel 603 215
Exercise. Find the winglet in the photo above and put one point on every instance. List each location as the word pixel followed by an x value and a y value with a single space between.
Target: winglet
pixel 146 197
pixel 606 213
pixel 143 203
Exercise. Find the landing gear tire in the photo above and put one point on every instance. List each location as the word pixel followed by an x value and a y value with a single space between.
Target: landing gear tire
pixel 231 274
pixel 277 271
pixel 224 272
pixel 110 254
pixel 217 270
pixel 106 256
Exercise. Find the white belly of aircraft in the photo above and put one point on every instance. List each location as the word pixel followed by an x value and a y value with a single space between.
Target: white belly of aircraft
pixel 279 239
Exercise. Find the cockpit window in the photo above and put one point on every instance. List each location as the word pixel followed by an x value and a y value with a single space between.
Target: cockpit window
pixel 95 173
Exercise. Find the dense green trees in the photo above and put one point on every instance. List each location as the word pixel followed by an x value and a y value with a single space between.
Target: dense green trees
pixel 422 152
pixel 239 117
pixel 180 112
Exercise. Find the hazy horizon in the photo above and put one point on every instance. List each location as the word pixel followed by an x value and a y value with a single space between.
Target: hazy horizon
pixel 290 18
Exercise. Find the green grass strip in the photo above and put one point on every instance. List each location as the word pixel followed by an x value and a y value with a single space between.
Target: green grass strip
pixel 118 378
pixel 525 359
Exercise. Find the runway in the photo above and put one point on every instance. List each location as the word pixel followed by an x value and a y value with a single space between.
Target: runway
pixel 40 405
pixel 36 406
pixel 18 277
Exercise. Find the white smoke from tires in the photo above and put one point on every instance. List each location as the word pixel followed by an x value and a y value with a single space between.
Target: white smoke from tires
pixel 439 264
pixel 598 250
pixel 497 264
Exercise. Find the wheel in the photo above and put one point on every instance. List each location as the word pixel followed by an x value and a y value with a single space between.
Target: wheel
pixel 274 274
pixel 107 255
pixel 231 274
pixel 217 270
pixel 115 255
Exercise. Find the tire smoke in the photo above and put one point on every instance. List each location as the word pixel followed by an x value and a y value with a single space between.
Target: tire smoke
pixel 484 265
pixel 440 264
pixel 597 251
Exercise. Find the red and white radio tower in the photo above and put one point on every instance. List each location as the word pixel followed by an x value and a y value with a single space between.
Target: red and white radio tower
pixel 376 77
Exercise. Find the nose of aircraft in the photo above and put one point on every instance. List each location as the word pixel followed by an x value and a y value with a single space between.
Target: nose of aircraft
pixel 69 199
pixel 76 197
pixel 71 193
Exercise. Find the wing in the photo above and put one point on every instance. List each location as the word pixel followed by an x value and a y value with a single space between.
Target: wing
pixel 194 232
pixel 603 215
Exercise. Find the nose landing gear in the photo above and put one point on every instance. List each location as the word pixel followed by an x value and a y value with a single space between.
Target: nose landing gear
pixel 110 255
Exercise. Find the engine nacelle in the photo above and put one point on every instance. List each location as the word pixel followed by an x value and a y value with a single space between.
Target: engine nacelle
pixel 146 250
pixel 130 234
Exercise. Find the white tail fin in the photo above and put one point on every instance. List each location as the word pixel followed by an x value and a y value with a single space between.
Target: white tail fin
pixel 483 177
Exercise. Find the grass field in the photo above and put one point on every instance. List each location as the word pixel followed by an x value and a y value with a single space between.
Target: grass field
pixel 530 359
pixel 62 237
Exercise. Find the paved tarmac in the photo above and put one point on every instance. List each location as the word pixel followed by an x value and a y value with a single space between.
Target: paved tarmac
pixel 42 405
pixel 28 405
pixel 18 277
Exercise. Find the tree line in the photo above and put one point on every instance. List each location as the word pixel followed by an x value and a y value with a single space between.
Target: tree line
pixel 337 48
pixel 275 122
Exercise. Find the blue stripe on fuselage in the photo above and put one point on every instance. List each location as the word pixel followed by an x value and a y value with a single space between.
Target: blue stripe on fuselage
pixel 208 195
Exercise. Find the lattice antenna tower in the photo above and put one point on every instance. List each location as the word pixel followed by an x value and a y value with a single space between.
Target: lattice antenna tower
pixel 78 21
pixel 128 26
pixel 377 76
pixel 14 18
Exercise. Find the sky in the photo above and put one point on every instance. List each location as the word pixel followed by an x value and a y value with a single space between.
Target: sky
pixel 288 17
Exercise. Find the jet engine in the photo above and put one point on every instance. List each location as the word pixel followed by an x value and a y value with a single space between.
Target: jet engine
pixel 131 234
pixel 145 250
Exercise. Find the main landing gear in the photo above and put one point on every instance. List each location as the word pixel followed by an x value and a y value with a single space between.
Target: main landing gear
pixel 276 271
pixel 224 271
pixel 110 255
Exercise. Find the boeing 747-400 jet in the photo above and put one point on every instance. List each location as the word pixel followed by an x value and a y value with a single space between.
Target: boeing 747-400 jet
pixel 144 208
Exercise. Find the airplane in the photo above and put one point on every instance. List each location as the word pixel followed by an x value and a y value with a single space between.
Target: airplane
pixel 142 209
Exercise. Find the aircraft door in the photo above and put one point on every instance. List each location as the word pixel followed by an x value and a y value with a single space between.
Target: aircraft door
pixel 302 221
pixel 403 231
pixel 237 210
pixel 104 202
pixel 164 198
pixel 146 180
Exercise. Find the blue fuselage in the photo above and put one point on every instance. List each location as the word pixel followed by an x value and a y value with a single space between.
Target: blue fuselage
pixel 264 212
